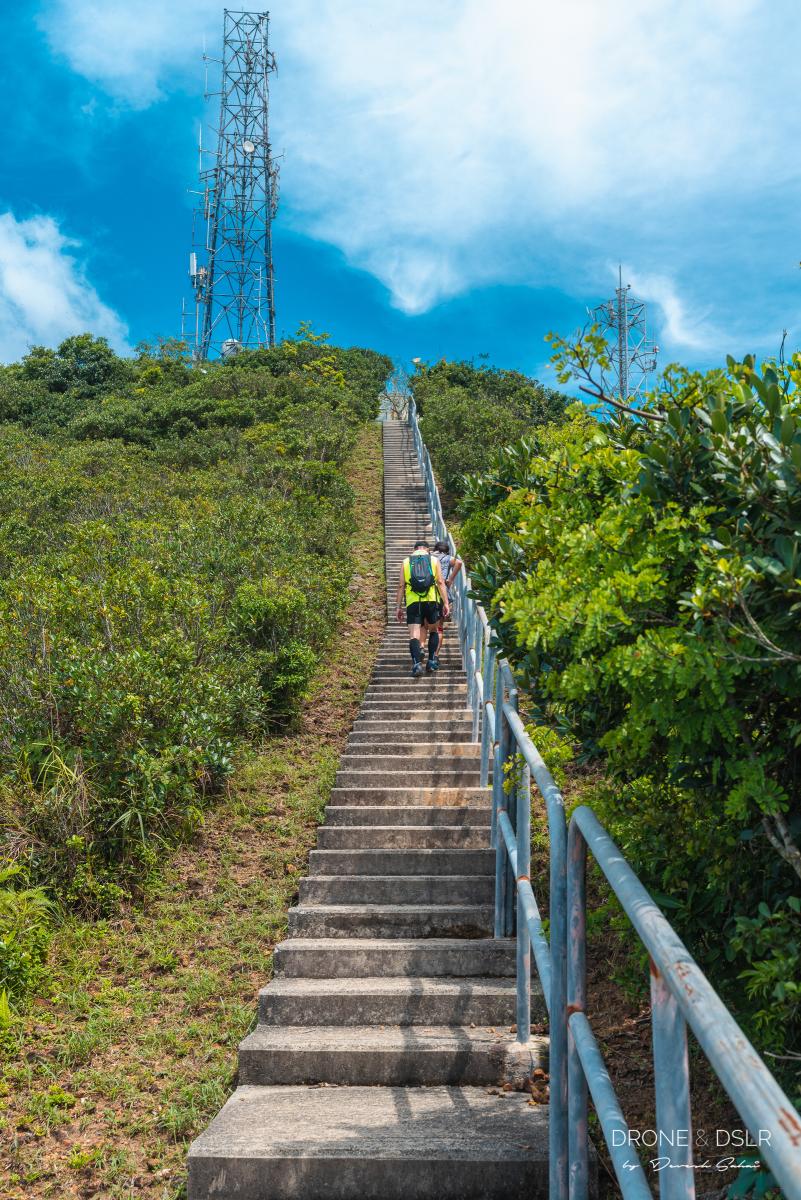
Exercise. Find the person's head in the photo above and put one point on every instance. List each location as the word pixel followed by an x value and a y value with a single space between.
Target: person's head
pixel 422 545
pixel 442 547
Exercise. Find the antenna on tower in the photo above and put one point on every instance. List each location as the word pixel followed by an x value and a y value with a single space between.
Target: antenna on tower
pixel 231 265
pixel 633 354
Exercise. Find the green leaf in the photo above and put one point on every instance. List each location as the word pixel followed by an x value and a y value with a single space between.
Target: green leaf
pixel 788 429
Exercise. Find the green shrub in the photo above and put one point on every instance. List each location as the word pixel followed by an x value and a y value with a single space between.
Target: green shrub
pixel 173 560
pixel 25 924
pixel 466 413
pixel 643 577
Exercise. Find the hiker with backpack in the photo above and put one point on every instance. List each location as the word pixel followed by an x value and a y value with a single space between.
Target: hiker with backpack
pixel 422 588
pixel 450 567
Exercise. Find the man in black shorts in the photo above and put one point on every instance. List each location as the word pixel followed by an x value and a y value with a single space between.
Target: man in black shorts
pixel 422 589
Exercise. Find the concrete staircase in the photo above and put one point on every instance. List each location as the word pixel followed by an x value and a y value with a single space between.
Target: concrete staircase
pixel 387 1028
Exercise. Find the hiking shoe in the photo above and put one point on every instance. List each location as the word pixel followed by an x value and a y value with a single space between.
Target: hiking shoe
pixel 433 663
pixel 417 669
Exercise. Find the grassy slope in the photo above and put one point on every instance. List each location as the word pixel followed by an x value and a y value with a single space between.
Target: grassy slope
pixel 136 1047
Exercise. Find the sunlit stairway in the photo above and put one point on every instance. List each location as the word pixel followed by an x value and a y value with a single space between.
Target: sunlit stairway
pixel 387 1027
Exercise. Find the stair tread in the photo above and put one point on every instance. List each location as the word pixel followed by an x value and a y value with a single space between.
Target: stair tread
pixel 411 1124
pixel 411 985
pixel 403 1038
pixel 389 909
pixel 490 945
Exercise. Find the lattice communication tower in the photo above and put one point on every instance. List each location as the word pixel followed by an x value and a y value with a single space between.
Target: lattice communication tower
pixel 633 354
pixel 231 264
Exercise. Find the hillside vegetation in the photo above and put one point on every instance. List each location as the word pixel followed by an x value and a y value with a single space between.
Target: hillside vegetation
pixel 468 412
pixel 174 555
pixel 644 578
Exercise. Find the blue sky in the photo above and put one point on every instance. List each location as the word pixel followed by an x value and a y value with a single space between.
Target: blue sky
pixel 457 178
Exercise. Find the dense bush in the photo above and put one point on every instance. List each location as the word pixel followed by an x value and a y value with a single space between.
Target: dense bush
pixel 643 575
pixel 25 920
pixel 174 555
pixel 467 412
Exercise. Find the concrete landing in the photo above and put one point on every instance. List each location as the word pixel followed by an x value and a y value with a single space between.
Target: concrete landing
pixel 281 1143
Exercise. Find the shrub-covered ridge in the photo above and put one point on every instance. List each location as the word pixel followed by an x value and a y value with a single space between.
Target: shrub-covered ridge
pixel 643 576
pixel 174 555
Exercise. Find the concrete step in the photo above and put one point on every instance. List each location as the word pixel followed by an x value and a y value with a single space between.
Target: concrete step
pixel 392 647
pixel 397 643
pixel 443 774
pixel 425 861
pixel 418 692
pixel 403 837
pixel 428 796
pixel 400 686
pixel 300 1143
pixel 445 677
pixel 413 814
pixel 398 654
pixel 396 889
pixel 409 737
pixel 424 722
pixel 414 718
pixel 398 690
pixel 424 703
pixel 459 728
pixel 393 644
pixel 393 1000
pixel 423 765
pixel 391 921
pixel 403 1056
pixel 451 669
pixel 414 749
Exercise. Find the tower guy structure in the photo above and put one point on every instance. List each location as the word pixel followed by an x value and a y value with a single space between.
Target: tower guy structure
pixel 231 264
pixel 633 355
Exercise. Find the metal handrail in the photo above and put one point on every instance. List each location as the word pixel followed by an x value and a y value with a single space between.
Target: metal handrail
pixel 680 993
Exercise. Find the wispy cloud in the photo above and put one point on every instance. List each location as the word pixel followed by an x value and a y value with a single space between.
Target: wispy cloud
pixel 680 324
pixel 45 295
pixel 137 52
pixel 447 146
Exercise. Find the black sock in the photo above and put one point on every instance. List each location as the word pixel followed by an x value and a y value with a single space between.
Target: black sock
pixel 416 650
pixel 433 643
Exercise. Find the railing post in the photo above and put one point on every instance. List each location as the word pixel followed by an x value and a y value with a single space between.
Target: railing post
pixel 672 1088
pixel 511 882
pixel 478 642
pixel 502 735
pixel 523 939
pixel 576 1002
pixel 468 625
pixel 489 669
pixel 496 767
pixel 557 1111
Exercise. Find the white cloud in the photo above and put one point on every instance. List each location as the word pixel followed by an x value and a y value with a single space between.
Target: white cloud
pixel 44 293
pixel 452 145
pixel 679 323
pixel 137 52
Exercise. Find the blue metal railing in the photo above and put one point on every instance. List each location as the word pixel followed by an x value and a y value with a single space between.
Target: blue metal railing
pixel 680 993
